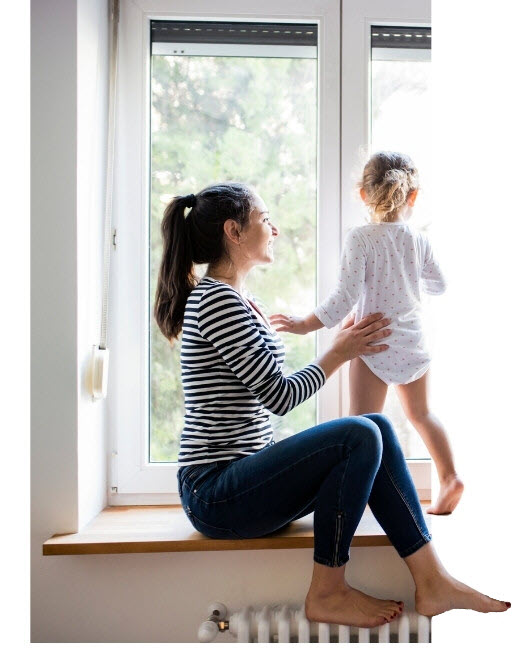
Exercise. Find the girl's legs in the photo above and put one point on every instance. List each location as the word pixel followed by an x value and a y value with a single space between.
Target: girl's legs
pixel 367 391
pixel 395 505
pixel 413 398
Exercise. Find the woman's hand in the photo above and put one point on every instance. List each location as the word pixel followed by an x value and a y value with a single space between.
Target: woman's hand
pixel 355 339
pixel 294 324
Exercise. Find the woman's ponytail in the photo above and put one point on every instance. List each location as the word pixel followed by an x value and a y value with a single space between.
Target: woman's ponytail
pixel 197 238
pixel 176 278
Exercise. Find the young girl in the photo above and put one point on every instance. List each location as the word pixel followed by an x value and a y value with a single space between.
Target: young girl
pixel 384 266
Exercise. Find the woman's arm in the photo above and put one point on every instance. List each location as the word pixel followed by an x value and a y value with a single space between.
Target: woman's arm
pixel 224 321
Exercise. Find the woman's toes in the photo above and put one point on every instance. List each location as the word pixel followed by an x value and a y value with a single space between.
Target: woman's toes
pixel 503 605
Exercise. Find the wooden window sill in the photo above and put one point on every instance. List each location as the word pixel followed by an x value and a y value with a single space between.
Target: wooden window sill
pixel 163 529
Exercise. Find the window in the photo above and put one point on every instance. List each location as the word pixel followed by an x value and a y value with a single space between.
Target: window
pixel 400 121
pixel 259 113
pixel 236 101
pixel 251 99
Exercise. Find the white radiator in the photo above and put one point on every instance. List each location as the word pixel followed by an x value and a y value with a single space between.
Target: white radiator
pixel 285 624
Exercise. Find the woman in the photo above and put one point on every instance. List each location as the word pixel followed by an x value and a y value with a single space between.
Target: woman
pixel 233 480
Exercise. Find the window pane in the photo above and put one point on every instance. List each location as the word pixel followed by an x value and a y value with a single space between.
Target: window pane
pixel 401 121
pixel 401 117
pixel 251 120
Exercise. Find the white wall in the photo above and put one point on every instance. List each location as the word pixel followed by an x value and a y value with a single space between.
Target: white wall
pixel 136 597
pixel 162 597
pixel 92 96
pixel 53 269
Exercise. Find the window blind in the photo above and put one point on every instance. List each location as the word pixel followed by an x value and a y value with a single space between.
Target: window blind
pixel 414 38
pixel 163 31
pixel 217 38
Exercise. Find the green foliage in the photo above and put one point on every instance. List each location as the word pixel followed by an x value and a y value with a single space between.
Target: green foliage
pixel 251 120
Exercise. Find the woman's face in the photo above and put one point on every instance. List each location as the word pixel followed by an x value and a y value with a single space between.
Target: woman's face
pixel 257 238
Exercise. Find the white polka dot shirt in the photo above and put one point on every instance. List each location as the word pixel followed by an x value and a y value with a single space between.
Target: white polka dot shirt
pixel 383 269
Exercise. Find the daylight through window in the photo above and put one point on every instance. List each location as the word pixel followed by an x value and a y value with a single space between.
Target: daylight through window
pixel 236 101
pixel 401 121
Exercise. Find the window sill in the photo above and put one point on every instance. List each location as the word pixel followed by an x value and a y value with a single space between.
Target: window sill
pixel 165 529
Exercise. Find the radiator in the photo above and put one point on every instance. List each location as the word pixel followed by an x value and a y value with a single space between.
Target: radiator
pixel 288 624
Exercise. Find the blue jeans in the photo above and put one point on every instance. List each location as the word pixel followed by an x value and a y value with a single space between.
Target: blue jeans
pixel 334 469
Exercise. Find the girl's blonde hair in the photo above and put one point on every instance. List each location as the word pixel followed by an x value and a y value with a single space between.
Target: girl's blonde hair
pixel 388 179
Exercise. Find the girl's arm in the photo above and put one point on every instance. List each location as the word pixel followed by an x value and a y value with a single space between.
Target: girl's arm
pixel 343 298
pixel 296 325
pixel 433 281
pixel 224 321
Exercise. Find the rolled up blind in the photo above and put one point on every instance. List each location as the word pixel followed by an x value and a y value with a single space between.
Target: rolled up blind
pixel 217 38
pixel 169 31
pixel 416 38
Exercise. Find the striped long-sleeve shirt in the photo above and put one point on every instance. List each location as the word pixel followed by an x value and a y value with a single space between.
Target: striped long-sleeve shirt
pixel 232 377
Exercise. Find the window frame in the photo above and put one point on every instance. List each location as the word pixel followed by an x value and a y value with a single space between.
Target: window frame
pixel 132 479
pixel 343 130
pixel 358 17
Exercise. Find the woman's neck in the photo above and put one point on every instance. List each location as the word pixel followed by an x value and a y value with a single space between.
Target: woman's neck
pixel 228 274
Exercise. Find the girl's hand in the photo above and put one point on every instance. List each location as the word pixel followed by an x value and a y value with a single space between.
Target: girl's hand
pixel 355 339
pixel 291 324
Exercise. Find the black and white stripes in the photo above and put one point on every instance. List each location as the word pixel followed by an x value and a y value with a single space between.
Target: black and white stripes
pixel 231 374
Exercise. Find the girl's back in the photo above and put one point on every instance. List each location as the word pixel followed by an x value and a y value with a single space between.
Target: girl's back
pixel 398 264
pixel 384 267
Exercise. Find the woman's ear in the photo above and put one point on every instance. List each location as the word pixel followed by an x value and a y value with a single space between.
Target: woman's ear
pixel 362 193
pixel 232 231
pixel 411 198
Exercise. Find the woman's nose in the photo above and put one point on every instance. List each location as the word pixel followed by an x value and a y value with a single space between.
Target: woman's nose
pixel 275 230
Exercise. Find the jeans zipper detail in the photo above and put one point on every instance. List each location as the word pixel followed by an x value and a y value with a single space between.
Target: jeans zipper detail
pixel 338 534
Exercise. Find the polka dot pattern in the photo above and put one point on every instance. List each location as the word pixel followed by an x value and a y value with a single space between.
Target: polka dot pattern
pixel 384 268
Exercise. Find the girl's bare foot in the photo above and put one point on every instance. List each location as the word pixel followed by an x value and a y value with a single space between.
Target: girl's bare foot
pixel 445 592
pixel 450 492
pixel 348 606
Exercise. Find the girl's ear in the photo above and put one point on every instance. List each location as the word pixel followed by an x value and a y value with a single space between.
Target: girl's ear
pixel 411 198
pixel 362 192
pixel 232 230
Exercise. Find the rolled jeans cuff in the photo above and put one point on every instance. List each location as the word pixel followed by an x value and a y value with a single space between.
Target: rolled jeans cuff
pixel 330 563
pixel 415 547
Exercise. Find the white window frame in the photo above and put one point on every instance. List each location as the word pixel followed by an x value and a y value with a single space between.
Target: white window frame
pixel 343 129
pixel 358 17
pixel 132 478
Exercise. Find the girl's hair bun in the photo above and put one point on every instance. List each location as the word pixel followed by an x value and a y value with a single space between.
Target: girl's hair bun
pixel 388 179
pixel 394 176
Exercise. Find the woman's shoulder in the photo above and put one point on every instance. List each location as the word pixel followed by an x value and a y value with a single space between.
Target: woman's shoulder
pixel 210 292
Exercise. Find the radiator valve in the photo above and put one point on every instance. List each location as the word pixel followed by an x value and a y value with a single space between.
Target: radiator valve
pixel 216 622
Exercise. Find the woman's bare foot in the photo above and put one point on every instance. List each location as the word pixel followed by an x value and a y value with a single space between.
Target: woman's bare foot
pixel 448 593
pixel 348 606
pixel 437 591
pixel 450 492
